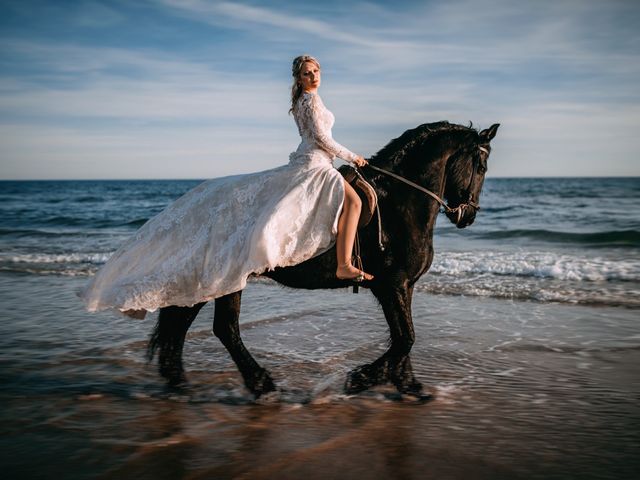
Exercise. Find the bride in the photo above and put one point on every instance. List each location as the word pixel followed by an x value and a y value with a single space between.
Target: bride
pixel 207 243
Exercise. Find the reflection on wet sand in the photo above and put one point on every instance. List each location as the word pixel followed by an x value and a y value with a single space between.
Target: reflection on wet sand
pixel 362 438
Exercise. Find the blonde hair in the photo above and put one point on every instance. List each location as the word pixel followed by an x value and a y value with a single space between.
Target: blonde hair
pixel 296 68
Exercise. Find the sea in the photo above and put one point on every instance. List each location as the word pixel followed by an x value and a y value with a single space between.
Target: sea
pixel 527 334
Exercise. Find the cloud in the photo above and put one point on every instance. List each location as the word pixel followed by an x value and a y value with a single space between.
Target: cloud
pixel 96 82
pixel 541 72
pixel 245 16
pixel 94 14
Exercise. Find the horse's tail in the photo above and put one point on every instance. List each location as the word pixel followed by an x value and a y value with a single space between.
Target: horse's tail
pixel 170 330
pixel 154 342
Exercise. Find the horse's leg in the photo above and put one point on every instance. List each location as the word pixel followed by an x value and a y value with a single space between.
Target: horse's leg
pixel 168 335
pixel 226 328
pixel 394 365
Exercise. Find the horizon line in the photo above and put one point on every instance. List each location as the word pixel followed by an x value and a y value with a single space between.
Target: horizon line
pixel 505 177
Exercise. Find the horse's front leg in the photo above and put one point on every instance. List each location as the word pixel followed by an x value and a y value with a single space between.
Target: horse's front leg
pixel 394 365
pixel 226 328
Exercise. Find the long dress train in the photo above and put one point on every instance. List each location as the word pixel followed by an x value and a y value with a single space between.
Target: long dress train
pixel 207 243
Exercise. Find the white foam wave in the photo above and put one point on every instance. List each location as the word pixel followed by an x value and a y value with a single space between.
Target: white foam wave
pixel 70 264
pixel 537 264
pixel 50 258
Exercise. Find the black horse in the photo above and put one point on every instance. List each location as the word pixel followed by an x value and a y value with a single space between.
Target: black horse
pixel 449 160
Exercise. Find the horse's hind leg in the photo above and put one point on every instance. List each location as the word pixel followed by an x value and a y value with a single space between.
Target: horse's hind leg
pixel 169 335
pixel 226 328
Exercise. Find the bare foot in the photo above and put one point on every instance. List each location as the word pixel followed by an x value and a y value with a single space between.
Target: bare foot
pixel 349 272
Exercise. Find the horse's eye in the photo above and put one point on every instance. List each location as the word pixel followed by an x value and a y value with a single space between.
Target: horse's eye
pixel 482 169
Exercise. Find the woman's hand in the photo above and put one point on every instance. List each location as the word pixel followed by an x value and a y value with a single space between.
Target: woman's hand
pixel 360 161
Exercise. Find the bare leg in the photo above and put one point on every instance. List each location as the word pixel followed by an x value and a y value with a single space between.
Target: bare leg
pixel 347 227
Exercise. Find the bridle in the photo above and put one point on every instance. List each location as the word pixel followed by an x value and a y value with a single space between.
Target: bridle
pixel 469 192
pixel 458 210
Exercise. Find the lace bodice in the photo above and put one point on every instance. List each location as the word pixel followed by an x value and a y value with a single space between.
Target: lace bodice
pixel 314 123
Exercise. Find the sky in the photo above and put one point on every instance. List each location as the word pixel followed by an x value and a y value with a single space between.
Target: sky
pixel 200 89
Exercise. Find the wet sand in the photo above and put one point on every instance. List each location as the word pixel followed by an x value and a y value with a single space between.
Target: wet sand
pixel 522 390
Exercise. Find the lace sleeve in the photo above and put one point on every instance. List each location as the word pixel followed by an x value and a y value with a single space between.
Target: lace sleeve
pixel 311 111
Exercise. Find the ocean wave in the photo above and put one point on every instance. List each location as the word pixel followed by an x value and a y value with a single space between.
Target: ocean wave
pixel 534 289
pixel 536 276
pixel 536 264
pixel 137 223
pixel 610 238
pixel 64 221
pixel 88 199
pixel 56 270
pixel 453 265
pixel 532 276
pixel 67 221
pixel 88 228
pixel 62 258
pixel 53 264
pixel 507 208
pixel 39 232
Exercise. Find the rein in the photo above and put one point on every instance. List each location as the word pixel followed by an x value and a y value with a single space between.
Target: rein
pixel 446 208
pixel 416 186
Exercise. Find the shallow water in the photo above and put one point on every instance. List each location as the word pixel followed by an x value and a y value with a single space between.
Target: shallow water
pixel 527 335
pixel 523 390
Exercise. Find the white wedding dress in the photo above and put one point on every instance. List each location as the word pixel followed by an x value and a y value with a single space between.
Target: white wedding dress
pixel 208 242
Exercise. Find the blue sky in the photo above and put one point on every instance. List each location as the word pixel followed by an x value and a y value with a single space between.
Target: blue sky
pixel 199 89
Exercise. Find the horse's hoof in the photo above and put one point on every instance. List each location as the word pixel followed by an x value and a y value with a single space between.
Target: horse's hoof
pixel 174 377
pixel 414 390
pixel 357 381
pixel 420 397
pixel 268 398
pixel 261 384
pixel 177 382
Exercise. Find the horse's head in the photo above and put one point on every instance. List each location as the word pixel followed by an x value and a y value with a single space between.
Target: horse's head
pixel 466 169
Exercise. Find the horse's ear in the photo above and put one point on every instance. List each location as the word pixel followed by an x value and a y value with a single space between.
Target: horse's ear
pixel 488 134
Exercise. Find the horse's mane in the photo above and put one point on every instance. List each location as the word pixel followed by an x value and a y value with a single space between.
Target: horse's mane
pixel 399 147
